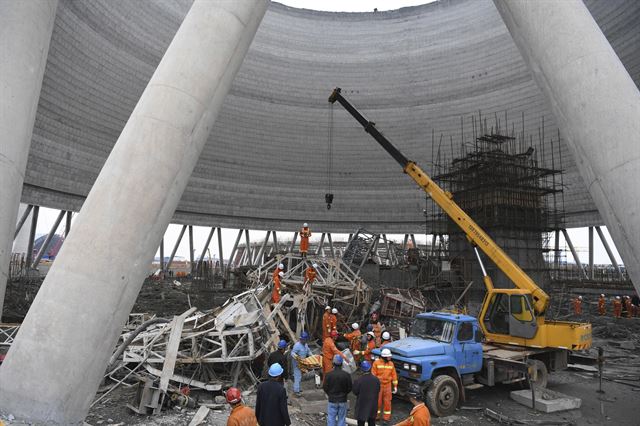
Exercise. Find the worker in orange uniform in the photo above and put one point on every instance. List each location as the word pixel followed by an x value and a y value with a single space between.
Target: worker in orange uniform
pixel 326 322
pixel 386 338
pixel 309 277
pixel 419 415
pixel 377 327
pixel 333 319
pixel 629 306
pixel 617 307
pixel 277 291
pixel 241 415
pixel 329 350
pixel 602 308
pixel 305 234
pixel 354 338
pixel 385 371
pixel 577 305
pixel 371 345
pixel 276 272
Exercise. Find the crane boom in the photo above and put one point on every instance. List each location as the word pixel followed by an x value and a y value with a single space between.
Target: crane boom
pixel 475 234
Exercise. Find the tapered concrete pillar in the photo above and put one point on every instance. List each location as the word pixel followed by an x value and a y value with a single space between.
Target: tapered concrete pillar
pixel 54 366
pixel 595 103
pixel 25 32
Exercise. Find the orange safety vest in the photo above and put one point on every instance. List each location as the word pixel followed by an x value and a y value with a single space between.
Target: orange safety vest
pixel 385 372
pixel 326 325
pixel 419 416
pixel 329 349
pixel 275 295
pixel 305 233
pixel 371 345
pixel 577 306
pixel 354 340
pixel 617 308
pixel 377 330
pixel 628 305
pixel 601 306
pixel 241 415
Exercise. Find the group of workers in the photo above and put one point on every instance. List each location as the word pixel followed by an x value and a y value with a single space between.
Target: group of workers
pixel 622 305
pixel 310 275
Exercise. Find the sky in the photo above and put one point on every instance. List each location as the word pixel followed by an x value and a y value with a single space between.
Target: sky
pixel 579 236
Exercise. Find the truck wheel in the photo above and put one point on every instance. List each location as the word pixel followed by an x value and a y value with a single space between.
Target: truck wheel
pixel 539 369
pixel 443 396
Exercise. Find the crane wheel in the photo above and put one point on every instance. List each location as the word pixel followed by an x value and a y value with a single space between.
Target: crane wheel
pixel 443 395
pixel 539 373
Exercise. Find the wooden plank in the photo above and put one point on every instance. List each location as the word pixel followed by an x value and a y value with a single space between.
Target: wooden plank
pixel 292 335
pixel 200 416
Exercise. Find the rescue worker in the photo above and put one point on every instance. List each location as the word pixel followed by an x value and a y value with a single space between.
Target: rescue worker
pixel 333 319
pixel 386 338
pixel 354 338
pixel 385 371
pixel 577 305
pixel 326 322
pixel 300 350
pixel 276 272
pixel 377 328
pixel 329 350
pixel 241 415
pixel 305 234
pixel 271 400
pixel 278 357
pixel 367 389
pixel 277 291
pixel 371 345
pixel 629 306
pixel 617 307
pixel 602 309
pixel 309 277
pixel 419 415
pixel 337 385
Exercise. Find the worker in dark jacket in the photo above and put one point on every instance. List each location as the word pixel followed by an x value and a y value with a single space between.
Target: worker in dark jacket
pixel 271 400
pixel 366 388
pixel 337 385
pixel 278 356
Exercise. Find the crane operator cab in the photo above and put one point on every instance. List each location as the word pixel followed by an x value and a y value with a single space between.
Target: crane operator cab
pixel 511 314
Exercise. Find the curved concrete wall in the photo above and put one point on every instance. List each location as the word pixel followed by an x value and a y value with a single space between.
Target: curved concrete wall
pixel 411 71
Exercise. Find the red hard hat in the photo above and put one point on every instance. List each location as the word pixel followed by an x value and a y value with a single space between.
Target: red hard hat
pixel 334 334
pixel 233 395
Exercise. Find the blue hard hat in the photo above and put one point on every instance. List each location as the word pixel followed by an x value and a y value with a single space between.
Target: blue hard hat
pixel 304 336
pixel 282 344
pixel 337 360
pixel 275 370
pixel 370 327
pixel 365 366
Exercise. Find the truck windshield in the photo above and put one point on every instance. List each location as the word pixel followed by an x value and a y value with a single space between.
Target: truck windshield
pixel 431 328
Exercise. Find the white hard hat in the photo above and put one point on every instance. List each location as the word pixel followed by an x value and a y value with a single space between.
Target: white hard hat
pixel 334 311
pixel 580 297
pixel 386 353
pixel 386 336
pixel 355 326
pixel 281 274
pixel 371 333
pixel 305 224
pixel 602 295
pixel 617 297
pixel 315 265
pixel 327 308
pixel 281 266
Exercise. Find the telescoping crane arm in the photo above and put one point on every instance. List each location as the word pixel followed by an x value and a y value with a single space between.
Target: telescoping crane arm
pixel 444 199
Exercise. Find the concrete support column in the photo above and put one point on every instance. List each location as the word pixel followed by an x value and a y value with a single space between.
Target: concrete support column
pixel 55 365
pixel 25 32
pixel 595 103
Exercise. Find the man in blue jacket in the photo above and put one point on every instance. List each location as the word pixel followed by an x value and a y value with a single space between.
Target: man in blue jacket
pixel 300 350
pixel 271 401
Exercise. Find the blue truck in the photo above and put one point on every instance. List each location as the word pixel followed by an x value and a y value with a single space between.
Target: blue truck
pixel 445 354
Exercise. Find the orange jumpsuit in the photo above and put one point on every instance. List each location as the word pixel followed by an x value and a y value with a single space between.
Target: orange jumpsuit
pixel 333 321
pixel 377 330
pixel 419 416
pixel 241 415
pixel 326 324
pixel 577 306
pixel 386 373
pixel 354 340
pixel 371 345
pixel 602 306
pixel 629 306
pixel 276 272
pixel 617 308
pixel 329 349
pixel 275 295
pixel 309 277
pixel 305 233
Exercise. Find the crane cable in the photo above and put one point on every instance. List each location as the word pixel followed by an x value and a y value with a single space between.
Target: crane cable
pixel 328 196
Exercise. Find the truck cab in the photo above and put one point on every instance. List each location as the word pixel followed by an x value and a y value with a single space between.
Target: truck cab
pixel 440 356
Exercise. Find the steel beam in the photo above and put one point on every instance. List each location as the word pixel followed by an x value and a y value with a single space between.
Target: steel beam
pixel 47 241
pixel 175 247
pixel 247 250
pixel 235 248
pixel 22 220
pixel 583 274
pixel 220 256
pixel 32 235
pixel 162 254
pixel 67 225
pixel 612 258
pixel 206 245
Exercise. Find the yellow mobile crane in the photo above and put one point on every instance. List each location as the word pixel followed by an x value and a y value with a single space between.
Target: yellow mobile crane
pixel 508 316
